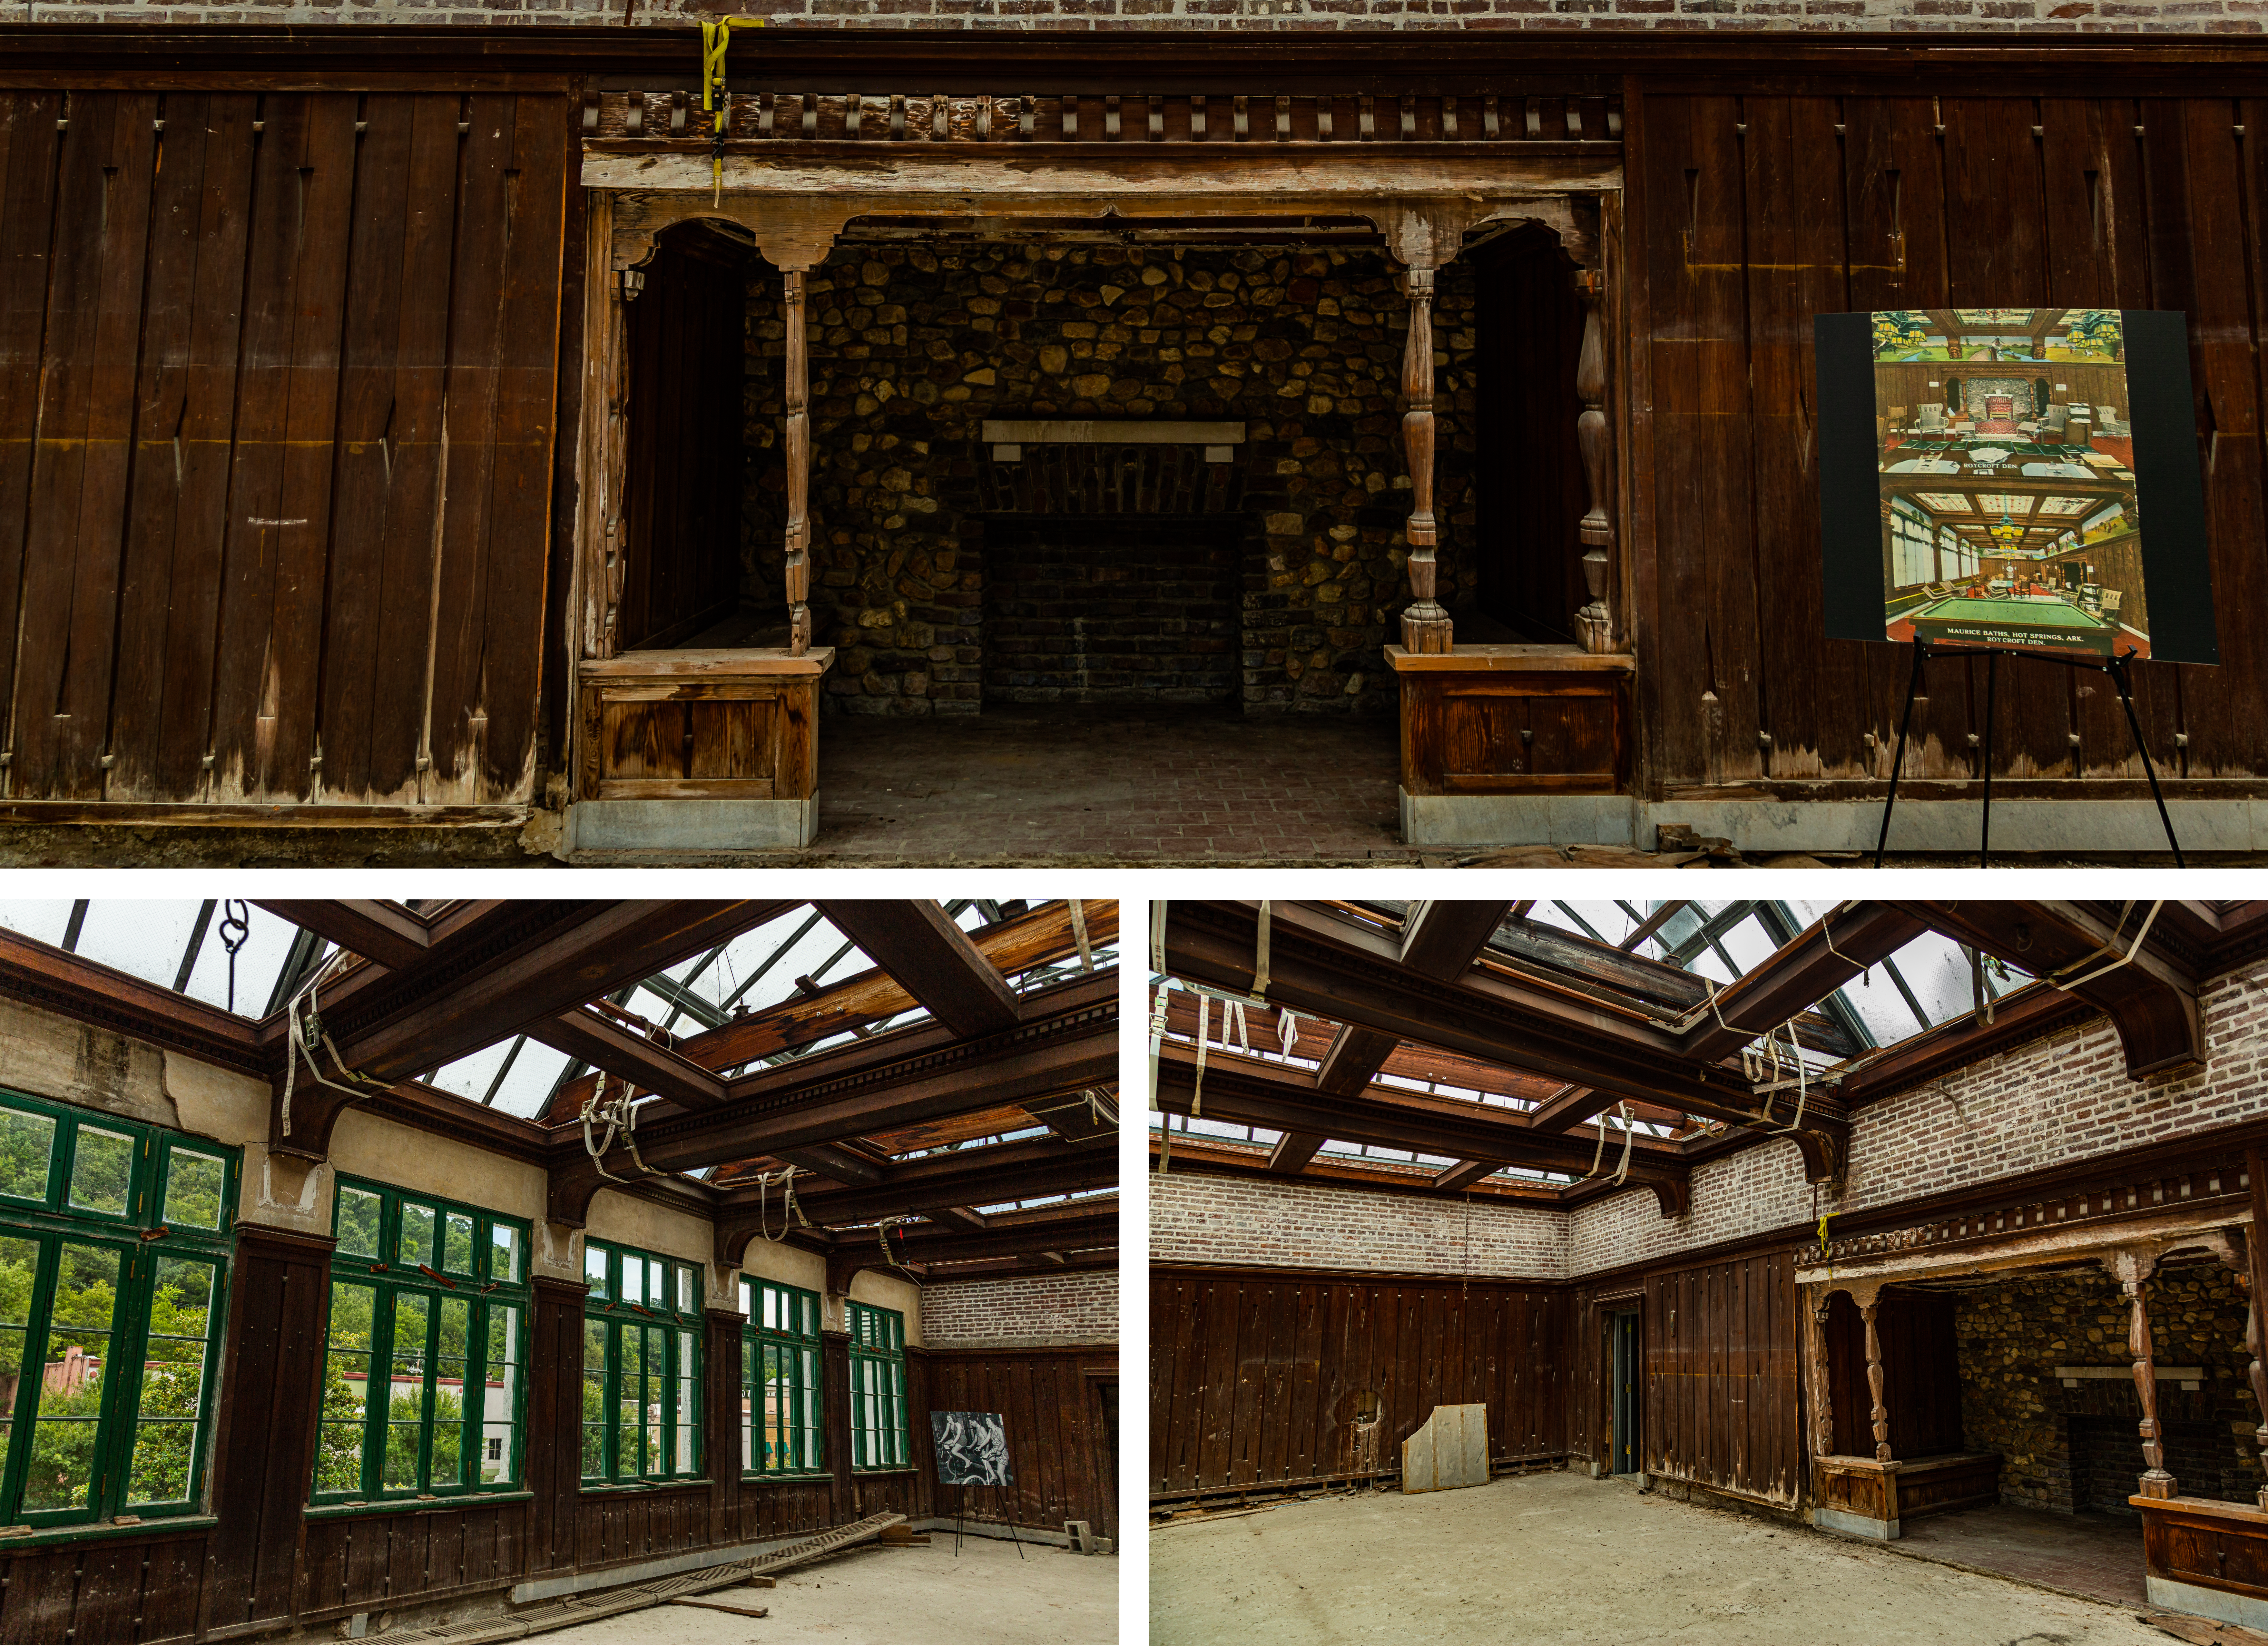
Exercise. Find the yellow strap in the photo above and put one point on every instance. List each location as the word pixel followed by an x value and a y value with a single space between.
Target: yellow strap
pixel 715 38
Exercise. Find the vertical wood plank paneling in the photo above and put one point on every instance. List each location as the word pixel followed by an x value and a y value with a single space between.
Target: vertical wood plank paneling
pixel 29 146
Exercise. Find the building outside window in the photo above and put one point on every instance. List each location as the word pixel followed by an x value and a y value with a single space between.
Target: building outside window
pixel 113 1273
pixel 642 1330
pixel 780 1380
pixel 423 1388
pixel 878 1387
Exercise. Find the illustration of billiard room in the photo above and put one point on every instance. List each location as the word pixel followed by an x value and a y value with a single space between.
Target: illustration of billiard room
pixel 2037 567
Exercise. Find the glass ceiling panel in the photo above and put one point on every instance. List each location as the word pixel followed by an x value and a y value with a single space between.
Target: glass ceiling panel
pixel 150 940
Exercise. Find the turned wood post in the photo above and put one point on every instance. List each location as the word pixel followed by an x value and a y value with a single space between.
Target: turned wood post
pixel 1425 626
pixel 1882 1413
pixel 796 395
pixel 1595 623
pixel 2133 1270
pixel 1822 1398
pixel 614 469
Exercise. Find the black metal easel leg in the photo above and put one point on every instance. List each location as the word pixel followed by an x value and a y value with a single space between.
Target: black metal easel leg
pixel 1991 691
pixel 1008 1514
pixel 959 1508
pixel 2118 670
pixel 1897 760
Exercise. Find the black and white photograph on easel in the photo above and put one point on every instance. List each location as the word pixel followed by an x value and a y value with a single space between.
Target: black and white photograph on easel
pixel 972 1448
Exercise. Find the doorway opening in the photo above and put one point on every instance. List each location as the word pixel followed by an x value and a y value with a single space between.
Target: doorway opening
pixel 1624 1385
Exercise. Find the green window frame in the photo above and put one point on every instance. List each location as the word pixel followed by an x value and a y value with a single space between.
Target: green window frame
pixel 432 1296
pixel 781 1380
pixel 642 1330
pixel 114 1253
pixel 878 1387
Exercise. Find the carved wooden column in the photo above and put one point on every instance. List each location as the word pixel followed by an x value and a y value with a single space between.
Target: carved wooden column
pixel 796 393
pixel 1425 626
pixel 614 465
pixel 1822 1398
pixel 1867 1312
pixel 1595 623
pixel 2133 1270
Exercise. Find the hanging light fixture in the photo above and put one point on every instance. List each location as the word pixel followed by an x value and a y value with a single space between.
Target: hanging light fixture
pixel 2007 533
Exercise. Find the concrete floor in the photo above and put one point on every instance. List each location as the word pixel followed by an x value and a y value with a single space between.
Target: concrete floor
pixel 918 1597
pixel 1559 1560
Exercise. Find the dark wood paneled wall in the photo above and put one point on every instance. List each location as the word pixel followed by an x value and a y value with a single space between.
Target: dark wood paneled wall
pixel 685 333
pixel 1921 1375
pixel 1058 1434
pixel 277 376
pixel 1262 1378
pixel 1750 215
pixel 1718 1342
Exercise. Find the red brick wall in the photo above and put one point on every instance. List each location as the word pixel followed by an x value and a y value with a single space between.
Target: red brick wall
pixel 1022 1311
pixel 1197 1219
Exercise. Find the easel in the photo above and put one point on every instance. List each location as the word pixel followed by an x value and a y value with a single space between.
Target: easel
pixel 959 1507
pixel 2117 667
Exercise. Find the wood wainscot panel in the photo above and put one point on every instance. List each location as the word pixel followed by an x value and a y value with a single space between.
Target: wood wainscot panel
pixel 1936 1486
pixel 1058 1447
pixel 701 725
pixel 1855 1486
pixel 112 1588
pixel 2202 1543
pixel 383 1561
pixel 1507 720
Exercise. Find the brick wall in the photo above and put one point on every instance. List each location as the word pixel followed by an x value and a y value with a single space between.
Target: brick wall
pixel 1195 1219
pixel 2074 1447
pixel 2063 1097
pixel 912 347
pixel 1289 15
pixel 1110 611
pixel 1023 1311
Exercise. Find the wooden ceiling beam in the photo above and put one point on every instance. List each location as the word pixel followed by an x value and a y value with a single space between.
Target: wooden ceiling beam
pixel 1085 1120
pixel 1356 1058
pixel 1789 982
pixel 2150 1001
pixel 386 933
pixel 868 997
pixel 630 1057
pixel 917 943
pixel 1293 1152
pixel 1440 940
pixel 1464 1174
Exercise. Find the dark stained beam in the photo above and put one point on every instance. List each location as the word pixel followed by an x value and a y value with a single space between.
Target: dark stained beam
pixel 1323 963
pixel 384 932
pixel 839 1161
pixel 1787 984
pixel 1573 1106
pixel 35 974
pixel 1355 1059
pixel 1463 1174
pixel 630 1056
pixel 1247 1092
pixel 917 943
pixel 962 1217
pixel 1440 940
pixel 866 998
pixel 1084 1230
pixel 2151 1003
pixel 1652 923
pixel 1293 1152
pixel 1087 1120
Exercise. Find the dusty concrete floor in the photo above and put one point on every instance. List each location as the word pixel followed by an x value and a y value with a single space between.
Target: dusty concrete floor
pixel 1558 1559
pixel 900 1598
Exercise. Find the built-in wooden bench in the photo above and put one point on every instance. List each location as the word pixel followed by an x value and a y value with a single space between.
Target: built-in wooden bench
pixel 1866 1498
pixel 2206 1557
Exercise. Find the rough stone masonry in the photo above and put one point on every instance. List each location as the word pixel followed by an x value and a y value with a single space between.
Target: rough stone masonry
pixel 914 345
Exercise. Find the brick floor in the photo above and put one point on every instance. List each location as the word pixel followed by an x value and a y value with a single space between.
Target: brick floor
pixel 2099 1556
pixel 1138 784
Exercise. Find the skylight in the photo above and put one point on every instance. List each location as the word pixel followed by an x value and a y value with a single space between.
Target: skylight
pixel 183 946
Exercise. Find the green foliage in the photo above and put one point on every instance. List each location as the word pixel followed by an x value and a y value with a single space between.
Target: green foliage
pixel 1899 332
pixel 28 1144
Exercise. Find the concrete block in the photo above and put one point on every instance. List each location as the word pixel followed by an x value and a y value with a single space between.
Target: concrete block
pixel 1853 1525
pixel 2222 1606
pixel 1521 819
pixel 691 825
pixel 1449 1451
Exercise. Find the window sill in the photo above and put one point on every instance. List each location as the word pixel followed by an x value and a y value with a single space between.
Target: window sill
pixel 899 1468
pixel 785 1477
pixel 609 1488
pixel 411 1505
pixel 157 1527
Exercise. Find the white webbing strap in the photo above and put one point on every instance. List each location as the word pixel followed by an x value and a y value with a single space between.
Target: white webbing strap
pixel 1827 930
pixel 1078 936
pixel 883 1229
pixel 1157 1039
pixel 1260 978
pixel 1204 1028
pixel 786 1178
pixel 304 1039
pixel 1287 1029
pixel 2057 980
pixel 1157 937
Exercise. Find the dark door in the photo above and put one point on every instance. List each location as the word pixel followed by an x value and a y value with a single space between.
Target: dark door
pixel 1107 1394
pixel 1622 1334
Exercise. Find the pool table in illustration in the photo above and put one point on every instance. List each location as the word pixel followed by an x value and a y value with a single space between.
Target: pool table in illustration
pixel 2031 621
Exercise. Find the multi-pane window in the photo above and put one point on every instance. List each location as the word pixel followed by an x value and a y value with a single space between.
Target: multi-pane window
pixel 878 1387
pixel 641 1366
pixel 426 1343
pixel 113 1272
pixel 779 1379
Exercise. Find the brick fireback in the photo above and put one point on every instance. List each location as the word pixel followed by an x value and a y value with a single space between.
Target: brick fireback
pixel 2055 1440
pixel 913 346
